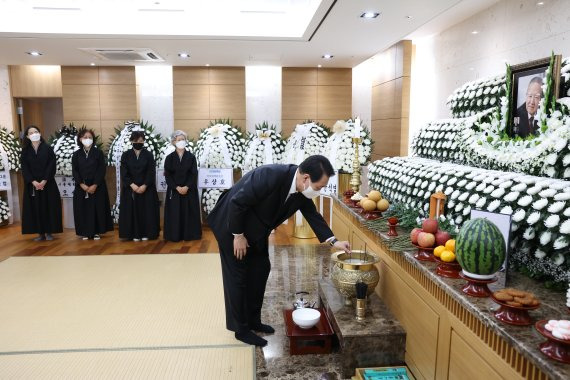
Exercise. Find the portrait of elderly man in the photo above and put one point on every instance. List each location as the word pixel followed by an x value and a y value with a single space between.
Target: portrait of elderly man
pixel 526 120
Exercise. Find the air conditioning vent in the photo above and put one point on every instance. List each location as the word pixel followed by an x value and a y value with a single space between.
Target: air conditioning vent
pixel 132 55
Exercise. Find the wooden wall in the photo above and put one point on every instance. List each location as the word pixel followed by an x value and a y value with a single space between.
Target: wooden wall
pixel 35 81
pixel 99 97
pixel 391 101
pixel 319 94
pixel 202 94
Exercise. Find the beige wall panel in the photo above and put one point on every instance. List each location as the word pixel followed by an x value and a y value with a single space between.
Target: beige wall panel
pixel 117 75
pixel 299 76
pixel 404 134
pixel 334 77
pixel 240 123
pixel 386 134
pixel 334 102
pixel 227 75
pixel 118 101
pixel 79 75
pixel 189 75
pixel 404 58
pixel 191 102
pixel 227 101
pixel 383 101
pixel 330 122
pixel 95 125
pixel 403 96
pixel 421 333
pixel 191 127
pixel 465 363
pixel 385 69
pixel 299 102
pixel 81 102
pixel 288 126
pixel 29 81
pixel 108 128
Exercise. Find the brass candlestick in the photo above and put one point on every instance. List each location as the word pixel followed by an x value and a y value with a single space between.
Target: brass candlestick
pixel 355 179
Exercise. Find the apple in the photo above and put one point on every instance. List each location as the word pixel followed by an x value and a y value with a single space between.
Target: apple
pixel 441 237
pixel 429 225
pixel 426 240
pixel 414 235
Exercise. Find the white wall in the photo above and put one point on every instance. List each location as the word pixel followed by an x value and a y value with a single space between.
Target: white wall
pixel 362 91
pixel 262 96
pixel 155 93
pixel 513 31
pixel 5 99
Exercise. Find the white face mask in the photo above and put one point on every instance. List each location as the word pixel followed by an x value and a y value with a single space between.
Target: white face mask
pixel 181 144
pixel 311 193
pixel 87 142
pixel 35 137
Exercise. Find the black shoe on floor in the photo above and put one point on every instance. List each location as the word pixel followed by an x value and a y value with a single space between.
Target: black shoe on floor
pixel 250 338
pixel 263 328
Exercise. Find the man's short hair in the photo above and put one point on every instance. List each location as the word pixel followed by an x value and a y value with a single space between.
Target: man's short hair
pixel 536 80
pixel 316 166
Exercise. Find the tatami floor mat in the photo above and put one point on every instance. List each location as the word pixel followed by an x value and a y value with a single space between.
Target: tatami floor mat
pixel 196 363
pixel 90 302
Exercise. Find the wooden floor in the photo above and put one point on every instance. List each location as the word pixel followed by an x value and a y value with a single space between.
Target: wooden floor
pixel 13 243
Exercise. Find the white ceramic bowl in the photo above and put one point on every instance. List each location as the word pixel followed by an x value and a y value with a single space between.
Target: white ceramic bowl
pixel 306 318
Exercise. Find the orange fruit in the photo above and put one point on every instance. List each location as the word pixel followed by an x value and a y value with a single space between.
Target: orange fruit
pixel 450 245
pixel 447 256
pixel 438 250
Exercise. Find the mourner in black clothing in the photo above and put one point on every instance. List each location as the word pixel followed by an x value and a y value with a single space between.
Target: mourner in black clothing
pixel 91 208
pixel 41 211
pixel 139 208
pixel 181 204
pixel 242 220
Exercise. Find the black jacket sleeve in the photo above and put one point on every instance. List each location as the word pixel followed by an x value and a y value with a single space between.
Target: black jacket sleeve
pixel 49 173
pixel 101 168
pixel 192 181
pixel 150 178
pixel 75 169
pixel 257 186
pixel 126 180
pixel 169 172
pixel 316 220
pixel 26 171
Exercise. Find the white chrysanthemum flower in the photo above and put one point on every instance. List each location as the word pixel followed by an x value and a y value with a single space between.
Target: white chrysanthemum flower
pixel 556 207
pixel 451 203
pixel 525 201
pixel 459 207
pixel 519 215
pixel 539 254
pixel 498 193
pixel 466 210
pixel 506 184
pixel 540 204
pixel 519 187
pixel 533 218
pixel 560 243
pixel 559 259
pixel 534 190
pixel 452 181
pixel 463 197
pixel 512 196
pixel 545 237
pixel 552 221
pixel 560 144
pixel 473 198
pixel 529 233
pixel 562 196
pixel 493 205
pixel 550 171
pixel 480 187
pixel 471 185
pixel 565 227
pixel 489 189
pixel 508 210
pixel 548 193
pixel 566 160
pixel 455 194
pixel 481 202
pixel 551 158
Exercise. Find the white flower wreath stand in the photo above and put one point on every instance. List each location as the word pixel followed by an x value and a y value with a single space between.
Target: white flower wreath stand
pixel 5 182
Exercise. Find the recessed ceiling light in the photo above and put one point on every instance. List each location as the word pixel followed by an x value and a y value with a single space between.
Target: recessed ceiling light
pixel 319 65
pixel 370 14
pixel 184 55
pixel 409 17
pixel 92 64
pixel 540 3
pixel 475 32
pixel 207 64
pixel 328 56
pixel 34 53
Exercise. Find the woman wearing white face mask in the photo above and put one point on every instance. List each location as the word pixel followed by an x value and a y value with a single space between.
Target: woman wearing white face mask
pixel 181 206
pixel 41 211
pixel 91 207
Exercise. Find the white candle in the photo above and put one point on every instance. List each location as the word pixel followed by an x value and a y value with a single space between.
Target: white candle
pixel 357 128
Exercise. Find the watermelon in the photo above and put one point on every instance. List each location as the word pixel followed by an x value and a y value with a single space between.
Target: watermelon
pixel 480 248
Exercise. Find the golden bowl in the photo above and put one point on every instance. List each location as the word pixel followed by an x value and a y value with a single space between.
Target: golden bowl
pixel 349 269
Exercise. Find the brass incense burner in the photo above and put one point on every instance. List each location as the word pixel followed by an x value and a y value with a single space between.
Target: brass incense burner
pixel 348 269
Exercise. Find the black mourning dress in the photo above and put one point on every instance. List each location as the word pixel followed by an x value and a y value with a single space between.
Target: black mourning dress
pixel 41 211
pixel 92 212
pixel 138 213
pixel 181 212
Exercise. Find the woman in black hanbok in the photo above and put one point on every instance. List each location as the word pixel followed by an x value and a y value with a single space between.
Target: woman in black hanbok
pixel 182 205
pixel 139 217
pixel 41 211
pixel 91 209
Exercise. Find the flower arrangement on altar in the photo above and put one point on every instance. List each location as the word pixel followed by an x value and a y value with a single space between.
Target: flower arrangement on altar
pixel 264 146
pixel 340 149
pixel 11 146
pixel 120 141
pixel 540 207
pixel 307 139
pixel 210 198
pixel 4 211
pixel 221 145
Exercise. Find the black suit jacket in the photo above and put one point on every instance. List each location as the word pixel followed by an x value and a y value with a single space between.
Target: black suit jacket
pixel 523 128
pixel 256 205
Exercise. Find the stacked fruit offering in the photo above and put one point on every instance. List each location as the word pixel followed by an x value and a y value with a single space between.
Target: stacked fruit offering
pixel 373 205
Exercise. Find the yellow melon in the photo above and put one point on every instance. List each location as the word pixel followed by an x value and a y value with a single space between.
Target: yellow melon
pixel 368 205
pixel 374 195
pixel 382 205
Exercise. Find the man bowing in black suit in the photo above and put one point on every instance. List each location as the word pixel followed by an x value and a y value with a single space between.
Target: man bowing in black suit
pixel 242 221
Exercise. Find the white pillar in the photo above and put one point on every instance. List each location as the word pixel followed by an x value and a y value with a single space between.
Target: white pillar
pixel 156 102
pixel 263 96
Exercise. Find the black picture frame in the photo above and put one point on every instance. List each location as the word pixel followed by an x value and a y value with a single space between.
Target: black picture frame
pixel 523 121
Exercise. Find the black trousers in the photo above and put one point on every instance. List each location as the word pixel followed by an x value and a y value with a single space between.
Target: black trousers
pixel 244 282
